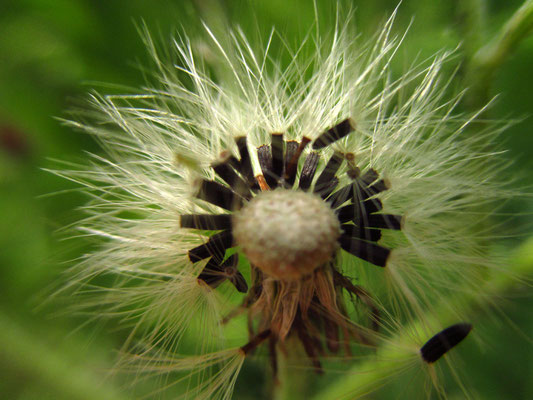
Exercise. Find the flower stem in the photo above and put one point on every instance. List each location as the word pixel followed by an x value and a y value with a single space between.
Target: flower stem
pixel 472 22
pixel 486 61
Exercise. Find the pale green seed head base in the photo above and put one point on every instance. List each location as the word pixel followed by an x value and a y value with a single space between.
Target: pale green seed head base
pixel 286 233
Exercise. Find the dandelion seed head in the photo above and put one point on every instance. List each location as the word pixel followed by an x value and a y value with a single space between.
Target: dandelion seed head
pixel 315 171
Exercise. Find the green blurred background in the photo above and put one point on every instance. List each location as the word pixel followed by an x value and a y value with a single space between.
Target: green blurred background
pixel 53 52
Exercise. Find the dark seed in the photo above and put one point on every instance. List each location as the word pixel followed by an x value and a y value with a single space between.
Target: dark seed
pixel 277 155
pixel 444 341
pixel 350 212
pixel 308 171
pixel 328 188
pixel 215 247
pixel 341 196
pixel 292 162
pixel 264 154
pixel 359 212
pixel 328 174
pixel 239 282
pixel 333 134
pixel 371 252
pixel 227 173
pixel 369 181
pixel 371 206
pixel 379 186
pixel 219 195
pixel 361 192
pixel 361 233
pixel 206 221
pixel 385 221
pixel 212 274
pixel 369 177
pixel 215 273
pixel 290 150
pixel 234 276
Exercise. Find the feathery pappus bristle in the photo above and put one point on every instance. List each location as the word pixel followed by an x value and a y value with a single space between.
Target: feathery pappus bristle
pixel 320 197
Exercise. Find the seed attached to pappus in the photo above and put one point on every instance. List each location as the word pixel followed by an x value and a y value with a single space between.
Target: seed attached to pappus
pixel 444 341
